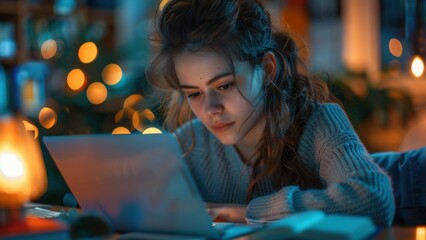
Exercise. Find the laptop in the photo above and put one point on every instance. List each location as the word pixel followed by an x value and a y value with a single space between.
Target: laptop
pixel 139 182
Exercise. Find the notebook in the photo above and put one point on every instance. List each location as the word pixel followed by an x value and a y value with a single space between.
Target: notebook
pixel 139 182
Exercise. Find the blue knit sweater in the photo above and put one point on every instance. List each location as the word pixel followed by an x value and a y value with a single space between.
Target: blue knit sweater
pixel 328 145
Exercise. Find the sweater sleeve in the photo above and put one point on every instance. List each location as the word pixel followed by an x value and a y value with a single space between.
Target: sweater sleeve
pixel 353 183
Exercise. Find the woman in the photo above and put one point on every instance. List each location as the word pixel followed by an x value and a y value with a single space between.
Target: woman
pixel 255 130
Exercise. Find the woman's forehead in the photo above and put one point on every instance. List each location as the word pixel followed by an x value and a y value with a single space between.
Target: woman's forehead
pixel 201 61
pixel 207 59
pixel 206 54
pixel 192 67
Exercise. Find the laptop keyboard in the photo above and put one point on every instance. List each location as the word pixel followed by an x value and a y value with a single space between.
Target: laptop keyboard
pixel 44 213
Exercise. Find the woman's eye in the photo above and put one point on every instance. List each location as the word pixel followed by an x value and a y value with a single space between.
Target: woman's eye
pixel 225 86
pixel 193 95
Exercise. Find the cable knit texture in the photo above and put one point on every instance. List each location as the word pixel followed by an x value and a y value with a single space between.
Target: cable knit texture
pixel 354 184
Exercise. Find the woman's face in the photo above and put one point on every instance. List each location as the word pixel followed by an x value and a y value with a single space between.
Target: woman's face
pixel 226 110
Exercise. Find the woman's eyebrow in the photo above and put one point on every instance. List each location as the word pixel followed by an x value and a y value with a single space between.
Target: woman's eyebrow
pixel 211 81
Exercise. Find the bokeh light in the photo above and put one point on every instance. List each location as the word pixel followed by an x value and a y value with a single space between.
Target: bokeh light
pixel 11 165
pixel 420 233
pixel 88 52
pixel 417 66
pixel 49 49
pixel 76 79
pixel 97 93
pixel 148 114
pixel 132 101
pixel 395 47
pixel 152 130
pixel 47 117
pixel 137 121
pixel 119 115
pixel 121 130
pixel 30 128
pixel 123 114
pixel 111 74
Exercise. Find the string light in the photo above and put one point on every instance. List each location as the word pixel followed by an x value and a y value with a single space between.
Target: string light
pixel 417 66
pixel 97 93
pixel 88 52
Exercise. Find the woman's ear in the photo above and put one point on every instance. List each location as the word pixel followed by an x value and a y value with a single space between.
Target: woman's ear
pixel 269 64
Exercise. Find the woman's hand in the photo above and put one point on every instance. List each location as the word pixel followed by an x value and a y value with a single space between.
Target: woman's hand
pixel 227 212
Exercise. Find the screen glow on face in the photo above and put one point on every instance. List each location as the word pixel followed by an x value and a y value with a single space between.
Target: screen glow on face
pixel 224 102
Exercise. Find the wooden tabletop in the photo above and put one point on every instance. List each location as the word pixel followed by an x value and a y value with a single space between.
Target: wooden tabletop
pixel 406 233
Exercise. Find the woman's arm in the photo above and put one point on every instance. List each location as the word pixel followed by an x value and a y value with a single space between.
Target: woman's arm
pixel 354 184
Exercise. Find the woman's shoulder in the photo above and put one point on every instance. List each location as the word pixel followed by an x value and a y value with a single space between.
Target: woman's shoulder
pixel 327 108
pixel 326 119
pixel 329 113
pixel 327 128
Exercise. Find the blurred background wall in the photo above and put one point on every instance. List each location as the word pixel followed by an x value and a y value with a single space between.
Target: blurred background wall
pixel 77 66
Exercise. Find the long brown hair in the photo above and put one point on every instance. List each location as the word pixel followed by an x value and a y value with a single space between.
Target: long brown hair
pixel 241 30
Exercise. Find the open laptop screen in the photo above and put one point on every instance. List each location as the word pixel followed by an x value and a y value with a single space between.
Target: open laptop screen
pixel 140 182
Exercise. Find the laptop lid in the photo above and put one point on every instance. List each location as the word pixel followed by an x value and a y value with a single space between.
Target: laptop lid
pixel 140 182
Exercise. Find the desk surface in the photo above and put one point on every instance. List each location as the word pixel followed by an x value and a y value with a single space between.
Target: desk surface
pixel 409 233
pixel 392 233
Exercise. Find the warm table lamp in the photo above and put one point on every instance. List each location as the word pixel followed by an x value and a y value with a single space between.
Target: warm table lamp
pixel 22 173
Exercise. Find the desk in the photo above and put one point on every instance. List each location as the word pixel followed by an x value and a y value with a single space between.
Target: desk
pixel 392 233
pixel 408 233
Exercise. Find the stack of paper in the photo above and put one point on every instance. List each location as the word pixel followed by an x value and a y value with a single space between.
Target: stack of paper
pixel 317 225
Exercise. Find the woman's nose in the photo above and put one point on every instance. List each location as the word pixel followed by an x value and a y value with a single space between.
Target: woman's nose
pixel 213 103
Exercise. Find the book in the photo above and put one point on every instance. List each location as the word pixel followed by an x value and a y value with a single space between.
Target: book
pixel 289 226
pixel 316 225
pixel 340 227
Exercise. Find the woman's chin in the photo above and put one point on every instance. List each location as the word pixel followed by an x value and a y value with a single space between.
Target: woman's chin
pixel 225 140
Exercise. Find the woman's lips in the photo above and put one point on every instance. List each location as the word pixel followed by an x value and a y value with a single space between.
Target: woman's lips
pixel 221 126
